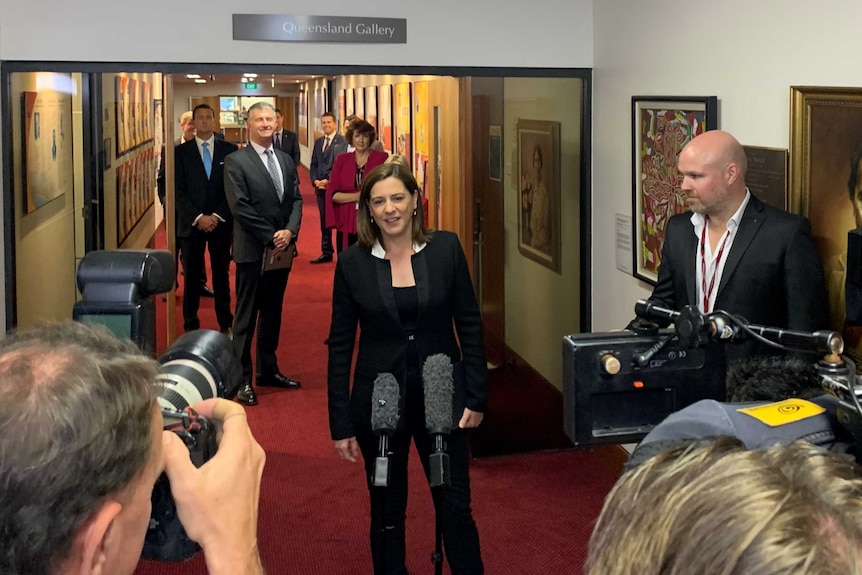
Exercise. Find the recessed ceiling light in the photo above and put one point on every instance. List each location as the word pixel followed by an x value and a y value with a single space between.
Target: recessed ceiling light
pixel 251 75
pixel 200 81
pixel 193 76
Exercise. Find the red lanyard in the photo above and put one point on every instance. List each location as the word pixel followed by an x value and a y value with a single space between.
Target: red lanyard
pixel 708 292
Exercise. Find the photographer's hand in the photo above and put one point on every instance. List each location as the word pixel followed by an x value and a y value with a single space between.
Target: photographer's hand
pixel 218 503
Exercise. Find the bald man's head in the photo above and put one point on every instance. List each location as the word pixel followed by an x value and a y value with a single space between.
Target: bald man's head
pixel 713 166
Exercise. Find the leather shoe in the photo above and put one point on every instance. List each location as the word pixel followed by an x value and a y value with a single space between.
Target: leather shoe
pixel 206 291
pixel 322 259
pixel 278 380
pixel 246 395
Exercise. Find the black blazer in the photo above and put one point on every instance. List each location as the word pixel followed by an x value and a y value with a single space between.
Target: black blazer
pixel 253 201
pixel 321 164
pixel 772 276
pixel 195 193
pixel 290 145
pixel 363 296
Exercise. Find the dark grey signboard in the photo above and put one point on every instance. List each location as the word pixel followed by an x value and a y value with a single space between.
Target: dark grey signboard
pixel 293 28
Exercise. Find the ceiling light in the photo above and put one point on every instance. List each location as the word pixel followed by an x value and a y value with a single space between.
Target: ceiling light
pixel 250 75
pixel 192 76
pixel 245 80
pixel 200 81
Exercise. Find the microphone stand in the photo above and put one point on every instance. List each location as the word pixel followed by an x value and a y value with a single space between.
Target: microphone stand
pixel 380 481
pixel 439 480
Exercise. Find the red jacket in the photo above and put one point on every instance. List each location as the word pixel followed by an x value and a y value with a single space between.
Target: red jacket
pixel 342 217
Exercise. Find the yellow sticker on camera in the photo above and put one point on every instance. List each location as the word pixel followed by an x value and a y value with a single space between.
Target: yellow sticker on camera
pixel 783 412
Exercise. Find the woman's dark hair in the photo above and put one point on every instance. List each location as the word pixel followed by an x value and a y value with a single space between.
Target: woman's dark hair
pixel 361 127
pixel 367 230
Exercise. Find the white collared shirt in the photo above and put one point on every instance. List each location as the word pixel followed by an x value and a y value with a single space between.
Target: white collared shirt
pixel 714 266
pixel 261 153
pixel 378 252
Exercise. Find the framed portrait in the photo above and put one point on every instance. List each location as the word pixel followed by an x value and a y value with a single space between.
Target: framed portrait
pixel 359 102
pixel 539 192
pixel 350 102
pixel 825 152
pixel 47 135
pixel 661 127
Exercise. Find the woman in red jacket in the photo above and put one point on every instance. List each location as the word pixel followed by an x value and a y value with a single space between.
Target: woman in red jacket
pixel 342 193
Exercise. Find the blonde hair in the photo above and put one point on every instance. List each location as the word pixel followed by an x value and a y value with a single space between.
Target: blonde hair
pixel 719 508
pixel 398 159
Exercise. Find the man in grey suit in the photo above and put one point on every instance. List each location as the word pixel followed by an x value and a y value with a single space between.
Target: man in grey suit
pixel 262 189
pixel 323 155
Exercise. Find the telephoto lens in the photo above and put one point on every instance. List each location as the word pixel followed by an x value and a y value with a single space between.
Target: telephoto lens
pixel 199 365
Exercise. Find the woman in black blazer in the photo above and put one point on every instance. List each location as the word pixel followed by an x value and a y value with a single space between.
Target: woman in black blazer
pixel 410 294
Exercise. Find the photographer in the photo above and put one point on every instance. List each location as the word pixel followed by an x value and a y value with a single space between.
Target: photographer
pixel 82 445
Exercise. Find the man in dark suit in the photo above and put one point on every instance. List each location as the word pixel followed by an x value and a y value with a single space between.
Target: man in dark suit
pixel 734 253
pixel 187 126
pixel 263 193
pixel 285 140
pixel 203 217
pixel 322 158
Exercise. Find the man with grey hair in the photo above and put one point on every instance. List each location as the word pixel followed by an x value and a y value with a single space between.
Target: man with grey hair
pixel 82 443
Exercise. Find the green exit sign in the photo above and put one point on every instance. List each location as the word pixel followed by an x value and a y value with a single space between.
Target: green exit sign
pixel 250 86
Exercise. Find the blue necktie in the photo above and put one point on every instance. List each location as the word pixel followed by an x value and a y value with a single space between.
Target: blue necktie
pixel 208 159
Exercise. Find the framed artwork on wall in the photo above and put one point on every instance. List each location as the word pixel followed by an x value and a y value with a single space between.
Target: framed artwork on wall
pixel 421 131
pixel 825 186
pixel 539 192
pixel 359 102
pixel 371 108
pixel 342 108
pixel 47 133
pixel 402 121
pixel 349 103
pixel 303 118
pixel 384 117
pixel 661 127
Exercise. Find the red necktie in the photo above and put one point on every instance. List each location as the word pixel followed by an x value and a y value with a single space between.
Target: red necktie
pixel 325 144
pixel 278 140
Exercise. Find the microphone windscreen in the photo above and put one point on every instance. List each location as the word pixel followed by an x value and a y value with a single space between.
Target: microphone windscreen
pixel 384 403
pixel 439 387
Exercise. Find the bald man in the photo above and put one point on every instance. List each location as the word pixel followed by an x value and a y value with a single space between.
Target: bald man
pixel 734 253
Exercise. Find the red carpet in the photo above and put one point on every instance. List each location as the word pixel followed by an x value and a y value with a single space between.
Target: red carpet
pixel 534 512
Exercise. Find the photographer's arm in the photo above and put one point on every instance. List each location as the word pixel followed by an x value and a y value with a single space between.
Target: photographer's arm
pixel 218 503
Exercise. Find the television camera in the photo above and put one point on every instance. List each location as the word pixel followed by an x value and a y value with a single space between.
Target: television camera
pixel 619 385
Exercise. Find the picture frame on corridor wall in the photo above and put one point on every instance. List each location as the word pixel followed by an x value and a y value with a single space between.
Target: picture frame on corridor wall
pixel 539 192
pixel 661 126
pixel 825 151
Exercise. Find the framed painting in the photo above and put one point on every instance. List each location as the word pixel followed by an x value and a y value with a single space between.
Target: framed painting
pixel 47 134
pixel 661 127
pixel 371 108
pixel 539 192
pixel 384 117
pixel 359 102
pixel 402 121
pixel 303 118
pixel 825 186
pixel 422 132
pixel 342 107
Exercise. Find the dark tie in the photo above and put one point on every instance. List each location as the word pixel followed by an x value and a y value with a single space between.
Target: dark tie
pixel 278 140
pixel 273 173
pixel 208 159
pixel 325 144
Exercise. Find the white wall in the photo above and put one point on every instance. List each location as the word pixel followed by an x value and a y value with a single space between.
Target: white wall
pixel 554 33
pixel 746 53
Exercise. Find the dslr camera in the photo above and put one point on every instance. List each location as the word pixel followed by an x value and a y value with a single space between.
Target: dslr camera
pixel 198 366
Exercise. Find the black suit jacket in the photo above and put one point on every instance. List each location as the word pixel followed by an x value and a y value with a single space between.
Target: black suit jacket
pixel 321 164
pixel 772 275
pixel 290 145
pixel 363 296
pixel 195 193
pixel 254 203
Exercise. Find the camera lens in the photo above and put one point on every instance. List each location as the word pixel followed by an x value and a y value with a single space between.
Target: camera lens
pixel 199 365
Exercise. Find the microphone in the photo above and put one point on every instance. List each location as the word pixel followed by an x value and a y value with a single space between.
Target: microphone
pixel 438 385
pixel 384 419
pixel 648 310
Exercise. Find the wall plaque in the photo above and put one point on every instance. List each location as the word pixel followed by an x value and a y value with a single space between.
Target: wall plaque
pixel 766 177
pixel 300 28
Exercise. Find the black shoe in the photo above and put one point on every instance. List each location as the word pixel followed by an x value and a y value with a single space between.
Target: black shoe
pixel 206 291
pixel 278 380
pixel 322 259
pixel 246 395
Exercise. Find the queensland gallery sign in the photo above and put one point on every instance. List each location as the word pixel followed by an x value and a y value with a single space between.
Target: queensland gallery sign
pixel 291 28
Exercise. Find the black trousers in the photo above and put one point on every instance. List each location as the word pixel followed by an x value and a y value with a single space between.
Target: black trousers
pixel 325 233
pixel 193 248
pixel 259 299
pixel 460 536
pixel 344 241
